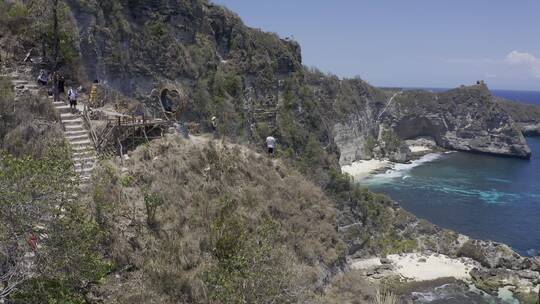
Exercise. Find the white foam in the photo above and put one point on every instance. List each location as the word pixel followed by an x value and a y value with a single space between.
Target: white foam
pixel 360 170
pixel 400 170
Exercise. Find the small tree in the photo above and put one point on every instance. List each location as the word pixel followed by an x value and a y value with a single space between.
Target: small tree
pixel 48 245
pixel 152 201
pixel 33 194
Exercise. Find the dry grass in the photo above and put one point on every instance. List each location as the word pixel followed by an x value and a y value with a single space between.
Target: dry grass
pixel 385 297
pixel 349 288
pixel 27 126
pixel 266 205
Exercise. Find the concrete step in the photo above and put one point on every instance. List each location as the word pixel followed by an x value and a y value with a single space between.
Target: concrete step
pixel 75 133
pixel 84 160
pixel 86 165
pixel 68 116
pixel 85 171
pixel 73 122
pixel 82 148
pixel 83 142
pixel 74 128
pixel 78 137
pixel 84 153
pixel 63 109
pixel 17 82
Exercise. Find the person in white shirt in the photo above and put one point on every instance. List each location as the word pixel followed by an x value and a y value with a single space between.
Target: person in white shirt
pixel 43 78
pixel 72 96
pixel 271 145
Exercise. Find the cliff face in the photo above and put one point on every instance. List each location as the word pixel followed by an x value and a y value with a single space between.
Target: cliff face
pixel 375 123
pixel 255 83
pixel 133 44
pixel 465 119
pixel 526 116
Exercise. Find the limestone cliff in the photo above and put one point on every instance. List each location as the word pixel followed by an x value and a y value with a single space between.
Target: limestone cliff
pixel 465 119
pixel 256 83
pixel 527 116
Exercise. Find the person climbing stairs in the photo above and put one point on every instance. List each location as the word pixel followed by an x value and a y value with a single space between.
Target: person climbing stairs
pixel 75 132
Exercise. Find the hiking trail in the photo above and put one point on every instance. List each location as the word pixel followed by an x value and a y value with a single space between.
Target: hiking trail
pixel 74 129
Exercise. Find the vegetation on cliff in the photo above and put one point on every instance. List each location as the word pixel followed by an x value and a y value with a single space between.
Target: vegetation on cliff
pixel 49 246
pixel 201 221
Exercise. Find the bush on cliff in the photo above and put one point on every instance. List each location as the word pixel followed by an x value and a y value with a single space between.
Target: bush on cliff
pixel 49 248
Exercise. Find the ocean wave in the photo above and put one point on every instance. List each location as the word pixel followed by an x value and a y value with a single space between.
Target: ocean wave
pixel 400 170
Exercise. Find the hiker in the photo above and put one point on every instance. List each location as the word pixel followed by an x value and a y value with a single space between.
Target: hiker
pixel 271 144
pixel 72 96
pixel 55 90
pixel 214 124
pixel 43 78
pixel 61 85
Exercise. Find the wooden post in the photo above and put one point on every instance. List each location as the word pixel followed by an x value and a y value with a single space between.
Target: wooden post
pixel 119 122
pixel 121 151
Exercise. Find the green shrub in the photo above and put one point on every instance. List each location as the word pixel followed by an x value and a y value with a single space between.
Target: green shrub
pixel 152 201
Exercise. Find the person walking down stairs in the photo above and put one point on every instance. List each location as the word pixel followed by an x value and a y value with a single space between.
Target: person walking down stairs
pixel 271 145
pixel 72 96
pixel 55 87
pixel 61 85
pixel 43 78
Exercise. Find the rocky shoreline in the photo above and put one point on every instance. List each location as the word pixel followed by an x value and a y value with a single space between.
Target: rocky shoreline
pixel 442 257
pixel 428 271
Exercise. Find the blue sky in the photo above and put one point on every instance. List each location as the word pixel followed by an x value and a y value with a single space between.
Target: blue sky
pixel 415 43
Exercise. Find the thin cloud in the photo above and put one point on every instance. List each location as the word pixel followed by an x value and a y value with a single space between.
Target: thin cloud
pixel 527 60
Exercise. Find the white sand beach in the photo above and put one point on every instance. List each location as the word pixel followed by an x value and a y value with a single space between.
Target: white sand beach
pixel 362 169
pixel 420 149
pixel 421 267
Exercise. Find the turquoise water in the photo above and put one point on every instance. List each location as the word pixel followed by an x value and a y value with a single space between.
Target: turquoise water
pixel 482 196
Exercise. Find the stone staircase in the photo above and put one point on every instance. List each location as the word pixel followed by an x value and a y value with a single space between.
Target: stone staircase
pixel 75 132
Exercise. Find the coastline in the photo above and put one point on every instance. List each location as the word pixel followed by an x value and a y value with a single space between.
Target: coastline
pixel 362 170
pixel 482 269
pixel 425 274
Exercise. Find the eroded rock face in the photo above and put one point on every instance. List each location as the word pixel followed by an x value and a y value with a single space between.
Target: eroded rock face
pixel 189 41
pixel 492 255
pixel 530 129
pixel 527 116
pixel 465 119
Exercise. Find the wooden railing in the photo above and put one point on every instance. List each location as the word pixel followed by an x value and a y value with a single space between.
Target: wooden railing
pixel 88 121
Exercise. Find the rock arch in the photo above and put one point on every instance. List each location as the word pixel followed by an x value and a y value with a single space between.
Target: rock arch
pixel 171 100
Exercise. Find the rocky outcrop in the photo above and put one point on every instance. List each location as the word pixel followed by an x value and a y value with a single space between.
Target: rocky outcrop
pixel 526 116
pixel 465 119
pixel 492 255
pixel 530 129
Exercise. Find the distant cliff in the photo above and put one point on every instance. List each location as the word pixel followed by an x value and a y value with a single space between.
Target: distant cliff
pixel 465 119
pixel 373 123
pixel 527 116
